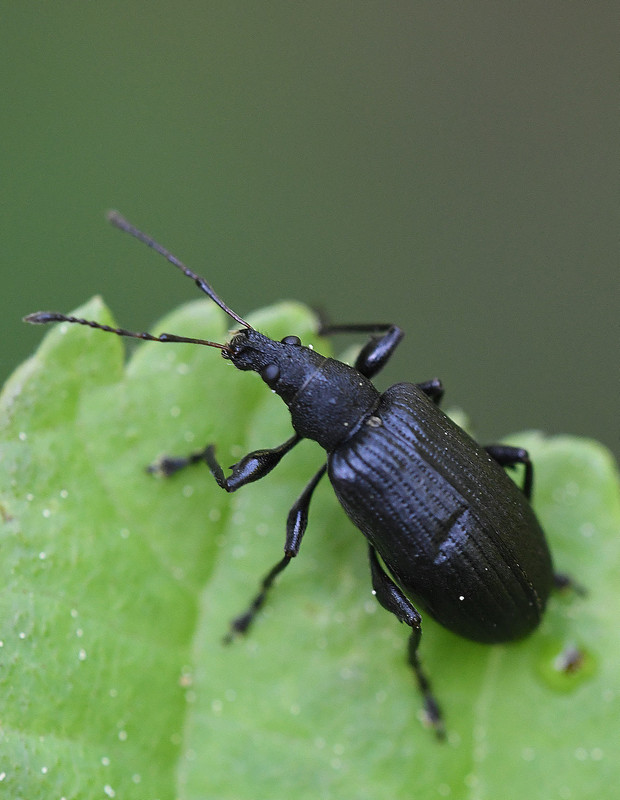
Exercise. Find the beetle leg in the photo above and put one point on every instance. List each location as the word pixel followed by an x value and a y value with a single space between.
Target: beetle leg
pixel 392 599
pixel 375 353
pixel 562 581
pixel 168 465
pixel 509 456
pixel 251 468
pixel 296 524
pixel 433 389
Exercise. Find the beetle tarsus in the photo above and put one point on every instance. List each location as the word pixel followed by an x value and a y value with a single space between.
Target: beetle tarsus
pixel 169 465
pixel 241 623
pixel 432 710
pixel 433 717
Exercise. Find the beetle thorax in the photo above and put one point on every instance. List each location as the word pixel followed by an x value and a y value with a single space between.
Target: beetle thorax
pixel 332 403
pixel 327 399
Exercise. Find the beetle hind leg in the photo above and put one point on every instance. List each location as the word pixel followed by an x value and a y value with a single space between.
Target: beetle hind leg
pixel 432 710
pixel 563 582
pixel 432 389
pixel 508 456
pixel 392 599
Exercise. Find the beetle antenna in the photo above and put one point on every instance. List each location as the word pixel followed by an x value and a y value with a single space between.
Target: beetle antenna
pixel 43 317
pixel 124 225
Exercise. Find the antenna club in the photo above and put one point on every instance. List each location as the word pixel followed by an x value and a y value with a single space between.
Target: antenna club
pixel 115 217
pixel 42 317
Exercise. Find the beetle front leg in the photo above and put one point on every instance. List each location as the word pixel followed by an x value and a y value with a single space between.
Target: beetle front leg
pixel 377 352
pixel 392 599
pixel 296 524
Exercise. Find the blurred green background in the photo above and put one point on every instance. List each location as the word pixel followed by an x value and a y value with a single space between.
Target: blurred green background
pixel 449 167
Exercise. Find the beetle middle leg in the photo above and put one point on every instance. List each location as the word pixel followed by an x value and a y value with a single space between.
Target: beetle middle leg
pixel 296 524
pixel 392 599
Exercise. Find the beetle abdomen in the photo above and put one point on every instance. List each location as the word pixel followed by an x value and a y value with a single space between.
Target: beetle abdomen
pixel 453 529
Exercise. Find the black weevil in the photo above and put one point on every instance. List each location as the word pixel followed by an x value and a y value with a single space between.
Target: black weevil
pixel 445 524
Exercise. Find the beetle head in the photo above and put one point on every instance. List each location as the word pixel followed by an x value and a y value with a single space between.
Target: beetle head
pixel 285 366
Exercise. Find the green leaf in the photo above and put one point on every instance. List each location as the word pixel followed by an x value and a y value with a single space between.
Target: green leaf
pixel 118 588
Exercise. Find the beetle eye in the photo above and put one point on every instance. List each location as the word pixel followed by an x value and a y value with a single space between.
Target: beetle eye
pixel 270 374
pixel 291 340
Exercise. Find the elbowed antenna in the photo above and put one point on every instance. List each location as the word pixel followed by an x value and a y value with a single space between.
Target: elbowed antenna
pixel 43 317
pixel 124 225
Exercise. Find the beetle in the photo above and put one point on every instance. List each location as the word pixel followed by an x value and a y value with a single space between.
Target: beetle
pixel 447 529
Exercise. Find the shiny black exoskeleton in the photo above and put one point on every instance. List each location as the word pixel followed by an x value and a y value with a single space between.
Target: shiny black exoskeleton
pixel 447 529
